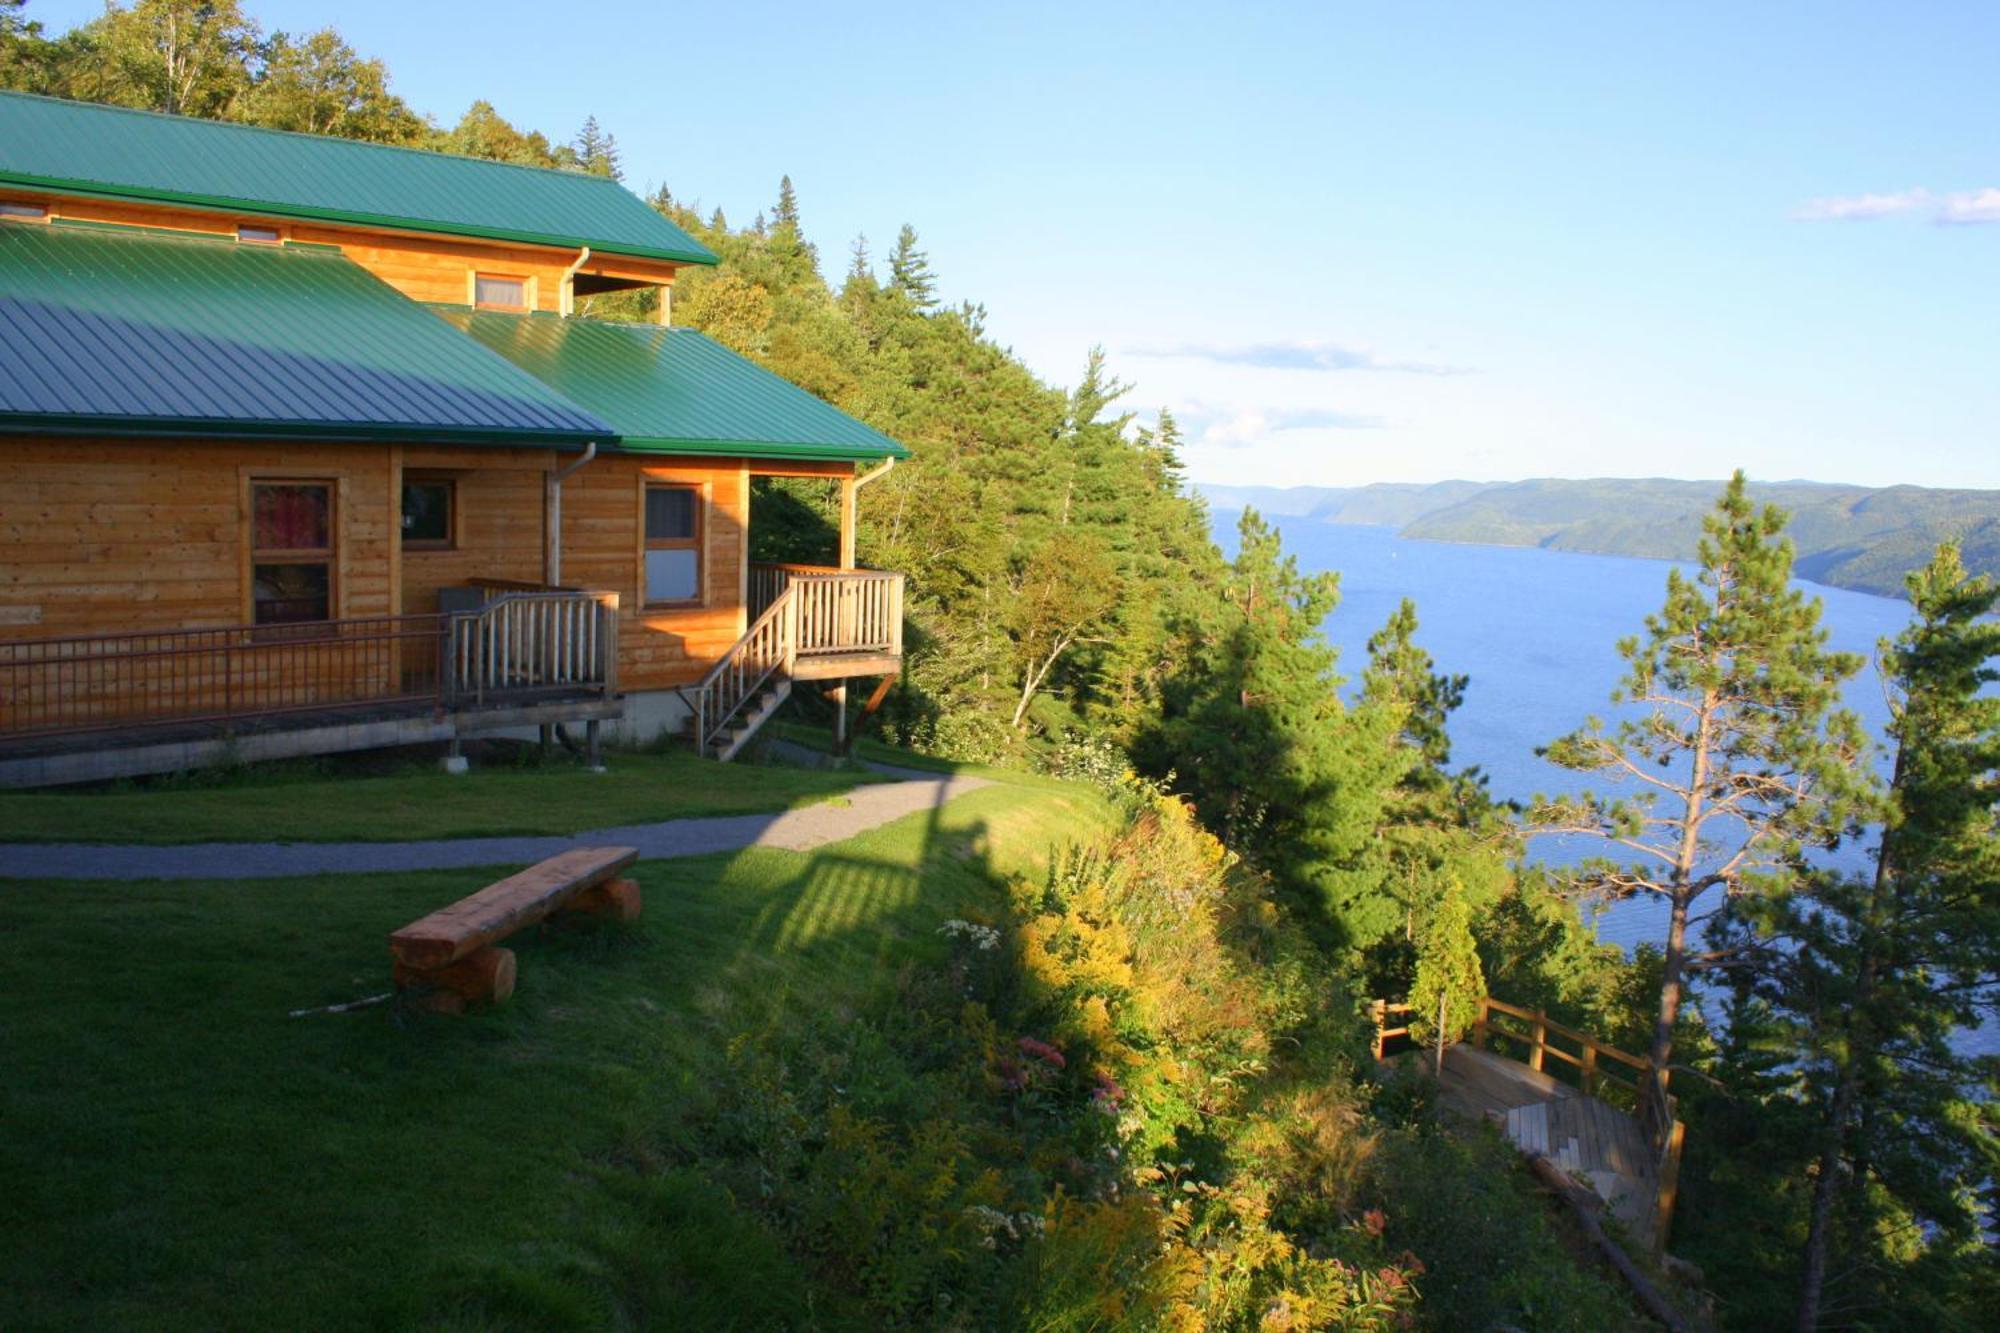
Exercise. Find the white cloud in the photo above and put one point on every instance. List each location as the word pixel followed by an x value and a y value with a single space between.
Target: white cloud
pixel 1863 207
pixel 1297 354
pixel 1243 427
pixel 1961 207
pixel 1971 206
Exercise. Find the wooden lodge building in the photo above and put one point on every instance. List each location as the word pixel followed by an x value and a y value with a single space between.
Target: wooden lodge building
pixel 305 449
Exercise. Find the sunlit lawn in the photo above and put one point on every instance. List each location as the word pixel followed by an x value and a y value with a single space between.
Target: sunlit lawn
pixel 179 1153
pixel 308 805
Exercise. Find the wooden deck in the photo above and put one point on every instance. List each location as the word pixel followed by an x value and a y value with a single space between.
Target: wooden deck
pixel 1593 1142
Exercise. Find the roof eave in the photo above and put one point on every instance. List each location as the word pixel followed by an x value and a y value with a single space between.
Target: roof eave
pixel 758 449
pixel 98 190
pixel 333 432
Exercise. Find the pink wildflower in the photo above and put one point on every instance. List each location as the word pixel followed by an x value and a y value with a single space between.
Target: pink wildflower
pixel 1041 1050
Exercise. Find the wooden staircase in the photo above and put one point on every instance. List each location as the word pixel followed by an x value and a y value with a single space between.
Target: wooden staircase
pixel 815 624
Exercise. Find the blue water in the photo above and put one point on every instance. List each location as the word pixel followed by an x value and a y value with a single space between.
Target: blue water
pixel 1537 633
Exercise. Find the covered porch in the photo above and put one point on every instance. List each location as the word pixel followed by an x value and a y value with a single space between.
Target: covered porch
pixel 98 707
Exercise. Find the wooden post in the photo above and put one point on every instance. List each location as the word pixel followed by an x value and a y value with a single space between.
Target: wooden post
pixel 1380 1010
pixel 841 741
pixel 1590 1069
pixel 1541 1041
pixel 1670 1182
pixel 848 515
pixel 1479 1035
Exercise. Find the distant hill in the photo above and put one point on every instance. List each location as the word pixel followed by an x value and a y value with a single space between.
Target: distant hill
pixel 1858 537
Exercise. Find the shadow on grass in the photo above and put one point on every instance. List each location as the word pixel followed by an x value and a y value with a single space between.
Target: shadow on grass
pixel 181 1154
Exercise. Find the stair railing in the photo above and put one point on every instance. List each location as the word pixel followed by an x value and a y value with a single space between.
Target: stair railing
pixel 769 647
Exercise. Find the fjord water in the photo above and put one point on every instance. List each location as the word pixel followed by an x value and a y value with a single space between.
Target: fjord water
pixel 1537 632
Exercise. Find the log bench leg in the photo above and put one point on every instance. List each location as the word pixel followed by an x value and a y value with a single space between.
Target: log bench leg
pixel 617 900
pixel 485 976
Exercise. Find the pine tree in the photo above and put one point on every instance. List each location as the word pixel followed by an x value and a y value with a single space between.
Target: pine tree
pixel 1253 725
pixel 1733 742
pixel 597 151
pixel 786 214
pixel 910 270
pixel 1876 975
pixel 1444 999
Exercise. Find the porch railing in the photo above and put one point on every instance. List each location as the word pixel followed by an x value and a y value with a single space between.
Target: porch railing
pixel 797 611
pixel 517 644
pixel 840 610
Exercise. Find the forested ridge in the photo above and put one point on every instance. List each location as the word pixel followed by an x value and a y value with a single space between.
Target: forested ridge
pixel 1137 1096
pixel 1868 538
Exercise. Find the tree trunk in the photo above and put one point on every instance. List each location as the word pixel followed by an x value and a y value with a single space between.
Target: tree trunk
pixel 1826 1191
pixel 1654 1116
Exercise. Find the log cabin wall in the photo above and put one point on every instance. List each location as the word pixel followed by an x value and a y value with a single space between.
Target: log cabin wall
pixel 499 520
pixel 124 536
pixel 420 266
pixel 604 545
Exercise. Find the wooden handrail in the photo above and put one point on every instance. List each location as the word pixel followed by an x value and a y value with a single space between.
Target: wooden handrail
pixel 1667 1143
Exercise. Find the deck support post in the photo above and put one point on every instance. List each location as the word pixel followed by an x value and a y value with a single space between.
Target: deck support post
pixel 842 742
pixel 593 758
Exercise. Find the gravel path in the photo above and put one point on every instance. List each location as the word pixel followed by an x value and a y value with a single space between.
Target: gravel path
pixel 811 826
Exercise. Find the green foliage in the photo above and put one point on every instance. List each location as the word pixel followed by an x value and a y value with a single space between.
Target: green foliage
pixel 1449 983
pixel 1731 741
pixel 1866 983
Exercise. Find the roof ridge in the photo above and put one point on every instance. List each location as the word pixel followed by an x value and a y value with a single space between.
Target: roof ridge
pixel 564 172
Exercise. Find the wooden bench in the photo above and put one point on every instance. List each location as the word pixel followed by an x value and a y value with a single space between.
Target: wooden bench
pixel 448 959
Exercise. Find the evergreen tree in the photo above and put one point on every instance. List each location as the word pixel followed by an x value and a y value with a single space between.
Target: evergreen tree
pixel 597 151
pixel 786 214
pixel 1733 741
pixel 1444 999
pixel 910 270
pixel 1875 976
pixel 1441 830
pixel 1253 725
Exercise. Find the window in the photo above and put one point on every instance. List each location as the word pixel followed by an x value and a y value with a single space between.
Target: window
pixel 673 544
pixel 497 293
pixel 11 208
pixel 292 529
pixel 261 235
pixel 430 513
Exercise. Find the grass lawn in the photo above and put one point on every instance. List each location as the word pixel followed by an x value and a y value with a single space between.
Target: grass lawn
pixel 306 804
pixel 178 1153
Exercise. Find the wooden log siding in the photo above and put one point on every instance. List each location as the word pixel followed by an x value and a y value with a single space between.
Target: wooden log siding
pixel 420 266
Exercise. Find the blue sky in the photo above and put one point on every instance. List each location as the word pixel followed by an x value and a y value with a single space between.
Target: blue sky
pixel 1355 242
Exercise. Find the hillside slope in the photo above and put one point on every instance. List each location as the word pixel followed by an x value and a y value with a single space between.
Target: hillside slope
pixel 1857 537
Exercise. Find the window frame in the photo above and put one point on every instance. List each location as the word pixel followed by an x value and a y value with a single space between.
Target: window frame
pixel 526 280
pixel 327 557
pixel 275 235
pixel 450 483
pixel 698 543
pixel 25 210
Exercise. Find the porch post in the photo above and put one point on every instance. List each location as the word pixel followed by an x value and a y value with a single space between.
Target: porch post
pixel 847 522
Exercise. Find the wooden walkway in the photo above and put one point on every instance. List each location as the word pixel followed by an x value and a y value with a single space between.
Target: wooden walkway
pixel 1593 1142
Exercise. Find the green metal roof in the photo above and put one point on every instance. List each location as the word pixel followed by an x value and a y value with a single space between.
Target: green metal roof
pixel 115 331
pixel 673 391
pixel 85 148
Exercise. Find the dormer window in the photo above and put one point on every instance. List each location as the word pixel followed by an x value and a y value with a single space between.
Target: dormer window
pixel 493 292
pixel 259 235
pixel 14 208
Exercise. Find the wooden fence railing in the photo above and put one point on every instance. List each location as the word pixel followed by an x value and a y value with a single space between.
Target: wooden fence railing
pixel 766 652
pixel 1598 1068
pixel 840 611
pixel 532 641
pixel 515 643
